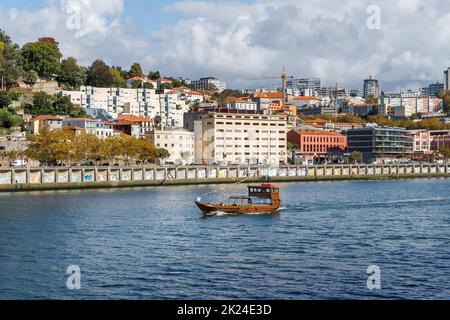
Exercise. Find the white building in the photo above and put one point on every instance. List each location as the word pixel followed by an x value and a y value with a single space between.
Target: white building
pixel 240 104
pixel 179 143
pixel 238 138
pixel 407 104
pixel 209 83
pixel 170 106
pixel 371 88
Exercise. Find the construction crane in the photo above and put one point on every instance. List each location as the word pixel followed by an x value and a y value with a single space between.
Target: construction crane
pixel 283 84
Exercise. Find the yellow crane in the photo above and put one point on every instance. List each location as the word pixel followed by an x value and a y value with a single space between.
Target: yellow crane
pixel 283 84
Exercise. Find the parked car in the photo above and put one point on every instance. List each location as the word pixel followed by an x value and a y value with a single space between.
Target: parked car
pixel 19 163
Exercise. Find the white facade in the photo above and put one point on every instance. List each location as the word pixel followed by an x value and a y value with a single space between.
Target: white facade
pixel 139 102
pixel 240 139
pixel 406 105
pixel 241 105
pixel 179 143
pixel 371 88
pixel 209 83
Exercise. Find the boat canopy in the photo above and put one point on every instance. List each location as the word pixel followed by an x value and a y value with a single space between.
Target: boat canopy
pixel 265 190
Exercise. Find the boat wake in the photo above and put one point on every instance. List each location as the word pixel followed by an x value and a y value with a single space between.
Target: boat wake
pixel 228 214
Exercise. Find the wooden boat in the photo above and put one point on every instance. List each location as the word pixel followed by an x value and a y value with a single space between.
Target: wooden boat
pixel 264 198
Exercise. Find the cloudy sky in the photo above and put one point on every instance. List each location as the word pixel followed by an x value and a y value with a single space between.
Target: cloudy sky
pixel 406 45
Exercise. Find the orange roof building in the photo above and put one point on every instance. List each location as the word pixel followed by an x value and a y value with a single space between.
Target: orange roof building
pixel 45 122
pixel 133 118
pixel 45 117
pixel 268 95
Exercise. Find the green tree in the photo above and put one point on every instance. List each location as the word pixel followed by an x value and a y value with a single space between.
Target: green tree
pixel 31 77
pixel 72 75
pixel 118 80
pixel 157 121
pixel 445 152
pixel 10 61
pixel 291 146
pixel 154 75
pixel 99 75
pixel 135 71
pixel 63 105
pixel 42 104
pixel 9 119
pixel 5 99
pixel 445 96
pixel 163 154
pixel 356 156
pixel 42 56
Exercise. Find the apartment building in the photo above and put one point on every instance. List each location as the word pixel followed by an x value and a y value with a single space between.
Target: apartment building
pixel 209 83
pixel 447 79
pixel 179 142
pixel 381 143
pixel 170 105
pixel 238 138
pixel 240 104
pixel 303 86
pixel 371 88
pixel 361 109
pixel 407 104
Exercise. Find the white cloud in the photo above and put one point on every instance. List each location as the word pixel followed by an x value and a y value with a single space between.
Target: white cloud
pixel 237 40
pixel 85 29
pixel 325 38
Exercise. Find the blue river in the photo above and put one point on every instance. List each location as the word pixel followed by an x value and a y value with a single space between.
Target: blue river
pixel 153 243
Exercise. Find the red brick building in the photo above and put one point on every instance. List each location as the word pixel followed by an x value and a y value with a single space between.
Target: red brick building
pixel 317 144
pixel 440 139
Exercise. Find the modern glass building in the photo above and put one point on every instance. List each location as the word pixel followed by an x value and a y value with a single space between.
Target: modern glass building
pixel 381 143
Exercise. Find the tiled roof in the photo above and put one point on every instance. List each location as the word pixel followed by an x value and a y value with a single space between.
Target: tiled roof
pixel 46 117
pixel 163 80
pixel 139 79
pixel 194 93
pixel 305 98
pixel 234 99
pixel 132 118
pixel 268 95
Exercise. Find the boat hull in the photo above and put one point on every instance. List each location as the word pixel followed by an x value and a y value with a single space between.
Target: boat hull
pixel 237 209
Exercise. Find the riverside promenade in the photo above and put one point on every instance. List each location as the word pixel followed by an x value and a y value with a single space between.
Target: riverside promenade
pixel 54 178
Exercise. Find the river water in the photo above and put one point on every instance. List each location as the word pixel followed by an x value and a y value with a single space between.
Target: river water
pixel 153 243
